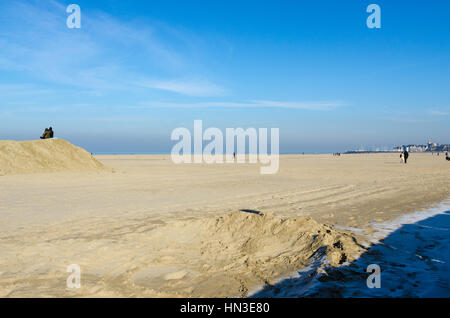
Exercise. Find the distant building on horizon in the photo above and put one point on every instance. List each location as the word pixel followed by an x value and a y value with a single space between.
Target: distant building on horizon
pixel 429 147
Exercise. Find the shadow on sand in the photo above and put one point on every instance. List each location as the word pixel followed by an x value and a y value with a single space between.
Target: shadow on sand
pixel 250 211
pixel 414 262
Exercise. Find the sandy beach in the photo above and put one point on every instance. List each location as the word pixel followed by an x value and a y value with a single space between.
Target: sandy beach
pixel 150 228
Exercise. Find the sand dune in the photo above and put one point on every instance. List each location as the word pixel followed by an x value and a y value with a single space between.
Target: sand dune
pixel 39 156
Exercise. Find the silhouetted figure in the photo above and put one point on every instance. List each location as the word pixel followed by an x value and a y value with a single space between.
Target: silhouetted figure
pixel 45 133
pixel 405 155
pixel 48 133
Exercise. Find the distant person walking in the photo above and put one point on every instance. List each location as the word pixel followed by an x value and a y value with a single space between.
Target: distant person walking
pixel 48 133
pixel 405 156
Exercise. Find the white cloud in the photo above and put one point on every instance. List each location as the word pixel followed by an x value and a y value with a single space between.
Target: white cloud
pixel 105 54
pixel 438 112
pixel 407 120
pixel 311 105
pixel 186 87
pixel 22 89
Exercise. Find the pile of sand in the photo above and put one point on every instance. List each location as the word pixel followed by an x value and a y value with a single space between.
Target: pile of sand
pixel 41 156
pixel 226 256
pixel 240 250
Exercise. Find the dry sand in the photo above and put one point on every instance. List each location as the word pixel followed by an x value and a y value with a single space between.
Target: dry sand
pixel 40 156
pixel 153 228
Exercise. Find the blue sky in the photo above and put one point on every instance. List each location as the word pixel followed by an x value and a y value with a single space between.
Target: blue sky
pixel 138 69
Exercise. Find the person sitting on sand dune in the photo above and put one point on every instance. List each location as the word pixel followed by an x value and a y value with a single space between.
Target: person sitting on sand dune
pixel 48 133
pixel 45 134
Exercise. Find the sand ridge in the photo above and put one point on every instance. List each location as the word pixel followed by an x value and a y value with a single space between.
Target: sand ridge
pixel 41 156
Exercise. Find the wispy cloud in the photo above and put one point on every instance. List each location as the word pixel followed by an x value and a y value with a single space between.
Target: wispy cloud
pixel 22 89
pixel 105 54
pixel 408 120
pixel 110 55
pixel 307 105
pixel 438 112
pixel 193 87
pixel 311 105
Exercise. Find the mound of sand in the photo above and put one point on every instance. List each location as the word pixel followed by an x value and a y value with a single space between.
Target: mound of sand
pixel 42 156
pixel 240 250
pixel 225 256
